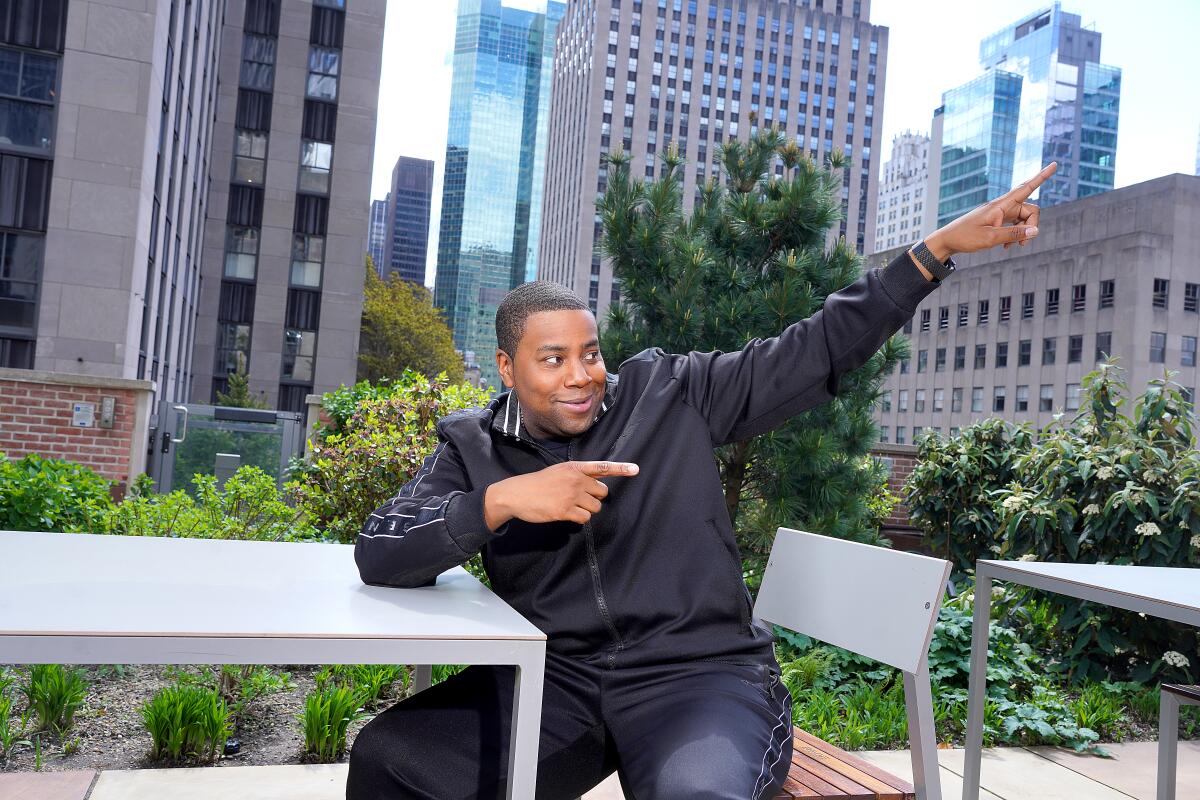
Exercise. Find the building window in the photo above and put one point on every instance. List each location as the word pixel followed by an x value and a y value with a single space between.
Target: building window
pixel 899 434
pixel 1049 349
pixel 980 356
pixel 250 157
pixel 1191 297
pixel 1108 293
pixel 981 318
pixel 233 348
pixel 963 310
pixel 886 400
pixel 1024 352
pixel 1046 398
pixel 925 313
pixel 1072 397
pixel 1021 402
pixel 28 91
pixel 919 401
pixel 1187 351
pixel 977 398
pixel 903 401
pixel 908 326
pixel 20 276
pixel 1162 291
pixel 1078 297
pixel 1027 305
pixel 1074 349
pixel 1001 355
pixel 998 394
pixel 299 351
pixel 1051 301
pixel 883 433
pixel 956 399
pixel 960 357
pixel 258 62
pixel 943 318
pixel 904 366
pixel 922 360
pixel 939 399
pixel 1158 347
pixel 939 360
pixel 1103 345
pixel 322 73
pixel 308 254
pixel 241 252
pixel 1005 309
pixel 316 158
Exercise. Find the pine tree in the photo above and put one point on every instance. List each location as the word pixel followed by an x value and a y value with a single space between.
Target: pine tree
pixel 401 329
pixel 747 262
pixel 237 393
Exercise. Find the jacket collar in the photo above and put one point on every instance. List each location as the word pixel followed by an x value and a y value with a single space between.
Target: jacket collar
pixel 506 410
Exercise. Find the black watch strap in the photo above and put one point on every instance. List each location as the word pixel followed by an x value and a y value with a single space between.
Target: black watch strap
pixel 938 269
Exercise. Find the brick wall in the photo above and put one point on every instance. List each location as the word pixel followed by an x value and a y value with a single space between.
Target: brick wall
pixel 36 410
pixel 902 458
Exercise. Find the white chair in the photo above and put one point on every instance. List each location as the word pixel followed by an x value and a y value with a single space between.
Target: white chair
pixel 1171 698
pixel 873 601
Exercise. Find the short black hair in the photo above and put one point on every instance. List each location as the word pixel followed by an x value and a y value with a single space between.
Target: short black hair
pixel 530 298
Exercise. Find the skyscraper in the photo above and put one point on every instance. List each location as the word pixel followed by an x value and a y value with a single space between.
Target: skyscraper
pixel 1067 109
pixel 644 76
pixel 408 218
pixel 377 238
pixel 902 192
pixel 291 156
pixel 491 197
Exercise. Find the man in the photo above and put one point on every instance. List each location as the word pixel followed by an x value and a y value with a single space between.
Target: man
pixel 597 505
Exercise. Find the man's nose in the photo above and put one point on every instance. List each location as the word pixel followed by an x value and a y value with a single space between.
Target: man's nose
pixel 577 374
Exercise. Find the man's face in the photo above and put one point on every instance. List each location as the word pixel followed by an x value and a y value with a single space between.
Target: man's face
pixel 557 373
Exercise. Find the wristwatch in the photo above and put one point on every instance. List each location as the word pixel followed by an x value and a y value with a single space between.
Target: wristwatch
pixel 938 269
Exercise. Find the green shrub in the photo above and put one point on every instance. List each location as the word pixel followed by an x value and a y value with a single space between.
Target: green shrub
pixel 186 722
pixel 327 716
pixel 382 435
pixel 10 735
pixel 248 507
pixel 54 694
pixel 241 684
pixel 47 494
pixel 372 683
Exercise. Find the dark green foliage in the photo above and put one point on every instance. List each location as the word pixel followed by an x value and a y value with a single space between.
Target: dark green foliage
pixel 747 262
pixel 1101 486
pixel 47 494
pixel 186 722
pixel 327 716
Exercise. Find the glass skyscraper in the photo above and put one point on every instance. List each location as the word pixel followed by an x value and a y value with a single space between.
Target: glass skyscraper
pixel 495 160
pixel 1068 108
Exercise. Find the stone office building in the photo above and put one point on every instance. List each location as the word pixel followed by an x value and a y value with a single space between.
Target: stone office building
pixel 1013 332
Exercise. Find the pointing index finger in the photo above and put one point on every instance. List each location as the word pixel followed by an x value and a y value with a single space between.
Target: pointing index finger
pixel 602 469
pixel 1021 192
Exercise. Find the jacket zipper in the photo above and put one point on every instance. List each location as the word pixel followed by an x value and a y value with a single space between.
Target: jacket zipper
pixel 601 603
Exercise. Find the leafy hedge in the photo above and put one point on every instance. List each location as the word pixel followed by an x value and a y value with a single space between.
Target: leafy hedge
pixel 47 494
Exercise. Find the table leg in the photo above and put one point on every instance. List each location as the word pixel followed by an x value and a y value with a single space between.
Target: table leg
pixel 422 679
pixel 977 683
pixel 526 723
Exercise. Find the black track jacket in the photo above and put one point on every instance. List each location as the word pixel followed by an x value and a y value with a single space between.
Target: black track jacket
pixel 655 576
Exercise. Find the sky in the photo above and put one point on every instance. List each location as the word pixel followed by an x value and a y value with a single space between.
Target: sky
pixel 928 52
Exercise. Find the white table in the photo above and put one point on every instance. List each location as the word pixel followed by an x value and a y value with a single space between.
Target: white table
pixel 88 599
pixel 1168 592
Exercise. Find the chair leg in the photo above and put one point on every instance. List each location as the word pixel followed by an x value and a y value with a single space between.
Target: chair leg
pixel 922 735
pixel 1168 744
pixel 422 679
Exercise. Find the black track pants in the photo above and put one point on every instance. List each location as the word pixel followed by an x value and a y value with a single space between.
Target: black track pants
pixel 694 730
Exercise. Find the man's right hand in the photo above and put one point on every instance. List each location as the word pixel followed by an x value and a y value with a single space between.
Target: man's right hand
pixel 567 492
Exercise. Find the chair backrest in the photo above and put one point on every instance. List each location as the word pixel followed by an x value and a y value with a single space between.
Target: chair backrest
pixel 870 600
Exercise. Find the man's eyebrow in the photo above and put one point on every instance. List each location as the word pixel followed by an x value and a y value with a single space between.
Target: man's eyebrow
pixel 563 347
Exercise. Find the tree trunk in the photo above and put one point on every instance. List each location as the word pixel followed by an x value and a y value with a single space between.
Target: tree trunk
pixel 735 477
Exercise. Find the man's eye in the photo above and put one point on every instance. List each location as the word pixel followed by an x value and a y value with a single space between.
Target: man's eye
pixel 553 360
pixel 593 356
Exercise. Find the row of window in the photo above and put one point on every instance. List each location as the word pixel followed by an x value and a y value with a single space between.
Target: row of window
pixel 1158 352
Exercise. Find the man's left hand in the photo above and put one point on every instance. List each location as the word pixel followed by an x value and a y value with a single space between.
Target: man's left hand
pixel 1007 220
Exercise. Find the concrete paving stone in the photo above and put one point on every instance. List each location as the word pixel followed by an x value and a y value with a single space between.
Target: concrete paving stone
pixel 71 785
pixel 1009 773
pixel 1133 768
pixel 309 782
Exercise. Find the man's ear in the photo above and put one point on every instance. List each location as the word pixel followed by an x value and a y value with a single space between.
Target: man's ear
pixel 505 365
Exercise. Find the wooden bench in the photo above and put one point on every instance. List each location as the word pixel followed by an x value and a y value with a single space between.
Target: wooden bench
pixel 821 770
pixel 876 602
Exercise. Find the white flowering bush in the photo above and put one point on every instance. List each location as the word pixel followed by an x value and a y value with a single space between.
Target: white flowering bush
pixel 1100 487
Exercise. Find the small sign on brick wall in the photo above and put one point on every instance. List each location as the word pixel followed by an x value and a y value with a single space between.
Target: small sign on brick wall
pixel 84 415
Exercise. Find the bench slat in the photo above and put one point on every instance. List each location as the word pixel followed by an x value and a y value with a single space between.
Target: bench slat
pixel 877 788
pixel 829 780
pixel 891 782
pixel 793 788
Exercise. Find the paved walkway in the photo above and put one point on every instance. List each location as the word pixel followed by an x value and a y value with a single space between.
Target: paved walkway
pixel 1013 773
